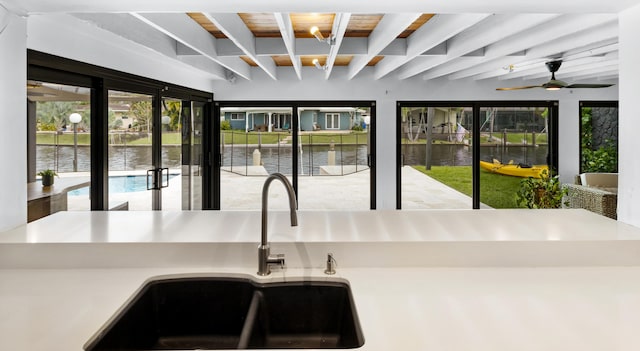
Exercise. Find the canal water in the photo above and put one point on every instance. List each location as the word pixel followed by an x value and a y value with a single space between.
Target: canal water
pixel 278 159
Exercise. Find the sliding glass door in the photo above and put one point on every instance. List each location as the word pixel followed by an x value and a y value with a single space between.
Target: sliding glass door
pixel 324 148
pixel 130 151
pixel 436 156
pixel 59 135
pixel 514 145
pixel 472 155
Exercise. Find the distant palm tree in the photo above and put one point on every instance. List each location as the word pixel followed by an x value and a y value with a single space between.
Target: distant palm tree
pixel 55 113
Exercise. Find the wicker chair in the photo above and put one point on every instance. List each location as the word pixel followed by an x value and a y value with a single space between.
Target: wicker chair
pixel 593 199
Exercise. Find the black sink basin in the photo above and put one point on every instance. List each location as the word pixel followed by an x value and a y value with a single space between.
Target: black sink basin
pixel 214 313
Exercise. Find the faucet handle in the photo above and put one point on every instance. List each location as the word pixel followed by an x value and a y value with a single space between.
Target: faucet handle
pixel 277 259
pixel 281 260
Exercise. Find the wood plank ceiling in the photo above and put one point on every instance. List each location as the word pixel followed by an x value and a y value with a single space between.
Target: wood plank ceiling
pixel 474 46
pixel 264 25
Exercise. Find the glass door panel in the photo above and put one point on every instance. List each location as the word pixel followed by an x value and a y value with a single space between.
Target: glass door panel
pixel 192 155
pixel 436 157
pixel 172 121
pixel 599 137
pixel 333 151
pixel 254 142
pixel 130 150
pixel 60 140
pixel 514 146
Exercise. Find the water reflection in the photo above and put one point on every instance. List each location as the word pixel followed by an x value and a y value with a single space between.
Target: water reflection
pixel 461 155
pixel 278 159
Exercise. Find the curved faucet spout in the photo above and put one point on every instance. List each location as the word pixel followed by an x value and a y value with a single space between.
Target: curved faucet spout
pixel 264 257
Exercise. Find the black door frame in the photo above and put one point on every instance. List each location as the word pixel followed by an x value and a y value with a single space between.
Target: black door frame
pixel 591 103
pixel 55 69
pixel 552 157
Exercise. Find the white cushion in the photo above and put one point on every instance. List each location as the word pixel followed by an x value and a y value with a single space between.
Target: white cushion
pixel 602 180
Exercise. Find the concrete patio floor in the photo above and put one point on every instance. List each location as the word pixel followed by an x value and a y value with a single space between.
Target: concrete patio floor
pixel 349 192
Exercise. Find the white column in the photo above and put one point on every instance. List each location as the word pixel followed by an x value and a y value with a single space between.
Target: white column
pixel 568 139
pixel 629 123
pixel 269 123
pixel 246 121
pixel 385 154
pixel 13 120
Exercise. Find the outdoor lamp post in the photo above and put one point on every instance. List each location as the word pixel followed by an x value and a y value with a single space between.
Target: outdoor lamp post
pixel 165 121
pixel 75 118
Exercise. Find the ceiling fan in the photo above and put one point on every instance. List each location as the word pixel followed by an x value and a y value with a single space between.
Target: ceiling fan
pixel 555 84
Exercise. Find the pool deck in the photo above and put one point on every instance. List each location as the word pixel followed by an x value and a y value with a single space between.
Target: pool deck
pixel 240 192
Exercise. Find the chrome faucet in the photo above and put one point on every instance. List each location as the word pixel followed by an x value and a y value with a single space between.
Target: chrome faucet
pixel 265 259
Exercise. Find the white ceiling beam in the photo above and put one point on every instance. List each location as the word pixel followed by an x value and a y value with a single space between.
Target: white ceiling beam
pixel 338 29
pixel 430 35
pixel 455 65
pixel 489 31
pixel 557 47
pixel 570 63
pixel 592 50
pixel 289 40
pixel 541 71
pixel 204 64
pixel 184 30
pixel 235 29
pixel 597 74
pixel 332 6
pixel 311 46
pixel 129 27
pixel 544 33
pixel 389 27
pixel 62 34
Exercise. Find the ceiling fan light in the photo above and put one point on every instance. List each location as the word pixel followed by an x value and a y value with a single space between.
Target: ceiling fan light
pixel 554 84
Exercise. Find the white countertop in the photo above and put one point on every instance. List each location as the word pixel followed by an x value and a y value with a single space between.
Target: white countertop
pixel 322 226
pixel 453 309
pixel 439 280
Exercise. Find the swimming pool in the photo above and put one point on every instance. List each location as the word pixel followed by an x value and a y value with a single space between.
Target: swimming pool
pixel 121 184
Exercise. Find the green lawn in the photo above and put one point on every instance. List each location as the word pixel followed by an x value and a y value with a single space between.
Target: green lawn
pixel 172 138
pixel 62 139
pixel 175 138
pixel 239 137
pixel 497 191
pixel 351 138
pixel 253 137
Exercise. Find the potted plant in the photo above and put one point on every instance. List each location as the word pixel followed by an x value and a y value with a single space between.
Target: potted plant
pixel 47 177
pixel 543 192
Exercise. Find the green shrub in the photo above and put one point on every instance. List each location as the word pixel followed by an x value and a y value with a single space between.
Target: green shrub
pixel 543 192
pixel 604 159
pixel 225 125
pixel 357 128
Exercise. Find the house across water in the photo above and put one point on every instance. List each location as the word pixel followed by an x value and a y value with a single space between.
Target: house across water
pixel 268 119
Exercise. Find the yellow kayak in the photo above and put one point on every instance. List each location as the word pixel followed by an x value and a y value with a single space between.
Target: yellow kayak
pixel 516 170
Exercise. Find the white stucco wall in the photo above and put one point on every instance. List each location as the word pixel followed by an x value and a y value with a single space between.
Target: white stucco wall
pixel 13 125
pixel 629 120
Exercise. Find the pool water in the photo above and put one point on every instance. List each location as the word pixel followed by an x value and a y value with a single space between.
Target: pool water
pixel 121 184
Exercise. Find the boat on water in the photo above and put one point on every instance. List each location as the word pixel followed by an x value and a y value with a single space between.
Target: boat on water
pixel 513 169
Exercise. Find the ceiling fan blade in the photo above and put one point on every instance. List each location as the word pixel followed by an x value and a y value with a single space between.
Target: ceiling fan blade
pixel 578 86
pixel 520 88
